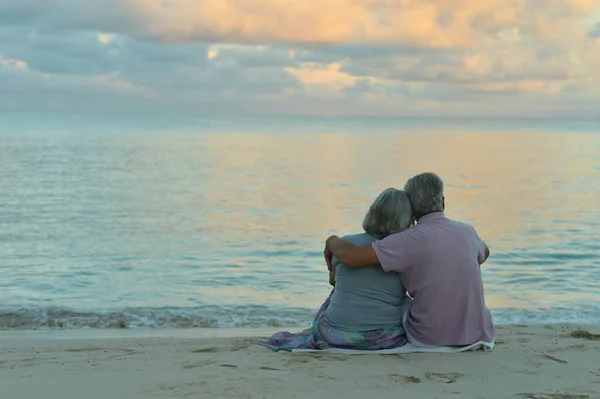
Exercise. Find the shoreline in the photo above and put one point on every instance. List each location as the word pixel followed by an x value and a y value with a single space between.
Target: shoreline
pixel 113 333
pixel 529 361
pixel 210 332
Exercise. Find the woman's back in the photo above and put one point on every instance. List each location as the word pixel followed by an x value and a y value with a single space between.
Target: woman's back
pixel 365 298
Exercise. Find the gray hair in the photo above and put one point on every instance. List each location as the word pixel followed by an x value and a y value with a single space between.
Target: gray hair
pixel 426 193
pixel 390 213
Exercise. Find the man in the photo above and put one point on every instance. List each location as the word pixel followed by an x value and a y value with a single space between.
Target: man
pixel 440 264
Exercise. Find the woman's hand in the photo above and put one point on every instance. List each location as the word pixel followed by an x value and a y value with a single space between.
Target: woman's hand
pixel 328 259
pixel 328 254
pixel 332 277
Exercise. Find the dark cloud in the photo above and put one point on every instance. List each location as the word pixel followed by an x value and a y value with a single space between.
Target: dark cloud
pixel 328 54
pixel 255 57
pixel 22 12
pixel 361 86
pixel 446 68
pixel 72 54
pixel 84 53
pixel 71 15
pixel 113 73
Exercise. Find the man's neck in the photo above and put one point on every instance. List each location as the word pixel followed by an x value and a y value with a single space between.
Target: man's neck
pixel 429 213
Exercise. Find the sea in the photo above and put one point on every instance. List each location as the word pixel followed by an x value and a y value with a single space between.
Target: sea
pixel 143 222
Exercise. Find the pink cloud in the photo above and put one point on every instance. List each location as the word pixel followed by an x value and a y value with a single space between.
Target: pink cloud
pixel 425 23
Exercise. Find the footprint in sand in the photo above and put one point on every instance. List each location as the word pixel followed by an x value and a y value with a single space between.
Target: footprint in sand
pixel 180 390
pixel 529 372
pixel 582 334
pixel 331 357
pixel 19 362
pixel 405 379
pixel 298 360
pixel 270 368
pixel 190 365
pixel 446 378
pixel 103 350
pixel 205 350
pixel 396 356
pixel 244 344
pixel 555 359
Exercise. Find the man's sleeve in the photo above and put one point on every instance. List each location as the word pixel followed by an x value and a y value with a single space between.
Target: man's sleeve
pixel 395 253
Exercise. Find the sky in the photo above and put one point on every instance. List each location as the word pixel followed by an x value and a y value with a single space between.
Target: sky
pixel 497 58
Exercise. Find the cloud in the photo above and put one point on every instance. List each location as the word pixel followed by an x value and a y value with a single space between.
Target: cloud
pixel 251 56
pixel 106 38
pixel 328 76
pixel 13 64
pixel 379 57
pixel 444 24
pixel 488 65
pixel 519 86
pixel 423 24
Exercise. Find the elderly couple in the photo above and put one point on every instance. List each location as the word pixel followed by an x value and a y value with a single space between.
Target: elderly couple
pixel 402 281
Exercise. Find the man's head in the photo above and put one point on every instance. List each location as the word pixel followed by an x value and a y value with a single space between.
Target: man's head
pixel 426 193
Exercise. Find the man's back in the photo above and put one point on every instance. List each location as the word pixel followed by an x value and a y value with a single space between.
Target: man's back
pixel 439 263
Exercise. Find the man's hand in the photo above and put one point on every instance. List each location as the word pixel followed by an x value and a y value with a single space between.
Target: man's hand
pixel 349 254
pixel 486 253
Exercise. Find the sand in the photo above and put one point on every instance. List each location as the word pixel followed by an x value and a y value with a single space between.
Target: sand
pixel 543 362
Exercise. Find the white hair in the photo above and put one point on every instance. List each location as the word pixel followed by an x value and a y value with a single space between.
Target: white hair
pixel 426 193
pixel 390 213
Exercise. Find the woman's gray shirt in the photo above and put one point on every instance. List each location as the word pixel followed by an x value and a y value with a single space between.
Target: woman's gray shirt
pixel 365 298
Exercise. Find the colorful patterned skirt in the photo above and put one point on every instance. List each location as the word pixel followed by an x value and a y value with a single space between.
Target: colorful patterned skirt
pixel 322 335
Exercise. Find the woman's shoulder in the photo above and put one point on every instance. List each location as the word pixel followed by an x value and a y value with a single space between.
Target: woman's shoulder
pixel 360 238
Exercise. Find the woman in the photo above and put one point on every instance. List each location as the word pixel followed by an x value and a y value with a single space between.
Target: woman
pixel 364 310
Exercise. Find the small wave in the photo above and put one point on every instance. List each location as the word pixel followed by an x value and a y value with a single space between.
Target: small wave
pixel 556 315
pixel 36 318
pixel 33 318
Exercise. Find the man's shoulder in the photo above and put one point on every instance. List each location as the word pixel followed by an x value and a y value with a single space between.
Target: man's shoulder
pixel 462 225
pixel 440 225
pixel 462 228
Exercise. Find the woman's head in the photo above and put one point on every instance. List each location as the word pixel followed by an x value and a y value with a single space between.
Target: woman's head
pixel 390 213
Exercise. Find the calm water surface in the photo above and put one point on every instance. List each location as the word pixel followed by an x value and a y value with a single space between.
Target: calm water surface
pixel 222 228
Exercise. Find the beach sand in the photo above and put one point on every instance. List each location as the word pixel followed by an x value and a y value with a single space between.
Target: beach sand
pixel 543 362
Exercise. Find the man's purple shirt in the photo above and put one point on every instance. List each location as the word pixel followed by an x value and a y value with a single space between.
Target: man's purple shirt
pixel 438 261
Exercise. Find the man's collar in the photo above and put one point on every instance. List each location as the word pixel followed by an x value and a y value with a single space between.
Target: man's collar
pixel 431 216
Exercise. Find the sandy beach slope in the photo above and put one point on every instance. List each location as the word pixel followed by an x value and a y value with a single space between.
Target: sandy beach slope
pixel 543 362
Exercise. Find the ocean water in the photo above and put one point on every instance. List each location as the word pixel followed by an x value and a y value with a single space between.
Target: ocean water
pixel 221 223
